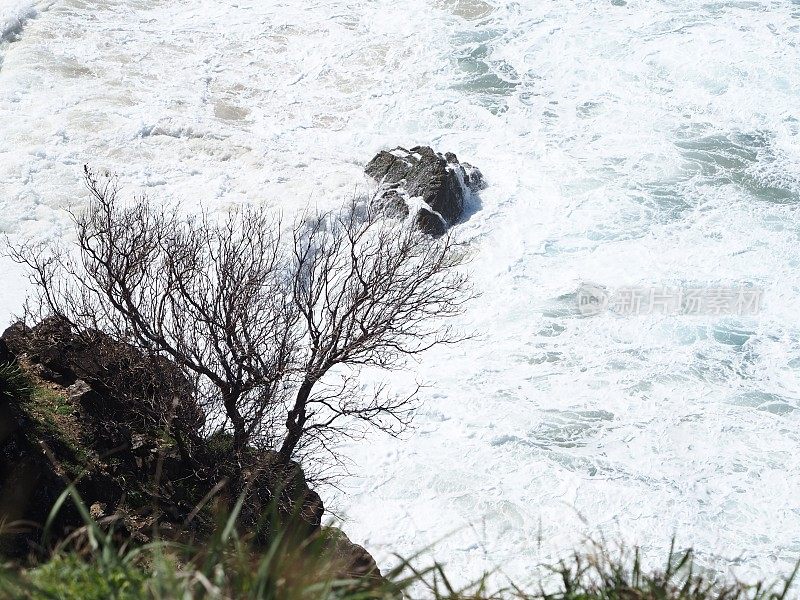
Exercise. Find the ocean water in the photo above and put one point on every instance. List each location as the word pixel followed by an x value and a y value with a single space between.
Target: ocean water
pixel 638 142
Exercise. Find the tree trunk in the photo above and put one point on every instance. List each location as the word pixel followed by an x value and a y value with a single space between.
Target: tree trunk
pixel 296 421
pixel 183 449
pixel 239 428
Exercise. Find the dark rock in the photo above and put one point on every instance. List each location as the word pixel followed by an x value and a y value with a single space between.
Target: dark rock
pixel 442 182
pixel 37 460
pixel 389 167
pixel 279 487
pixel 44 372
pixel 44 346
pixel 14 340
pixel 29 486
pixel 430 222
pixel 5 353
pixel 393 202
pixel 130 388
pixel 351 560
pixel 474 178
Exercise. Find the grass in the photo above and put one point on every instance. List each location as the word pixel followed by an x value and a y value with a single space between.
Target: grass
pixel 14 385
pixel 51 414
pixel 94 565
pixel 54 402
pixel 68 576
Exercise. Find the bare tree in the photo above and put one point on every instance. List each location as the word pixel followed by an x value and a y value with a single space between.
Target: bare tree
pixel 272 328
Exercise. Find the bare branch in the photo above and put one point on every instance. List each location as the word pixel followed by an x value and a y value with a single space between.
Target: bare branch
pixel 273 329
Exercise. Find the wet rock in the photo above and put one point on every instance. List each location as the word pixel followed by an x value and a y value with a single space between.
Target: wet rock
pixel 394 202
pixel 442 182
pixel 430 222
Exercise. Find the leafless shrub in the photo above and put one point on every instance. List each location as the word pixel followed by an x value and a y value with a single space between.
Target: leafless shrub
pixel 273 328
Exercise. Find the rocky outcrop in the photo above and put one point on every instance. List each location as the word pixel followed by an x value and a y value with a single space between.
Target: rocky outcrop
pixel 351 560
pixel 118 370
pixel 126 428
pixel 444 185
